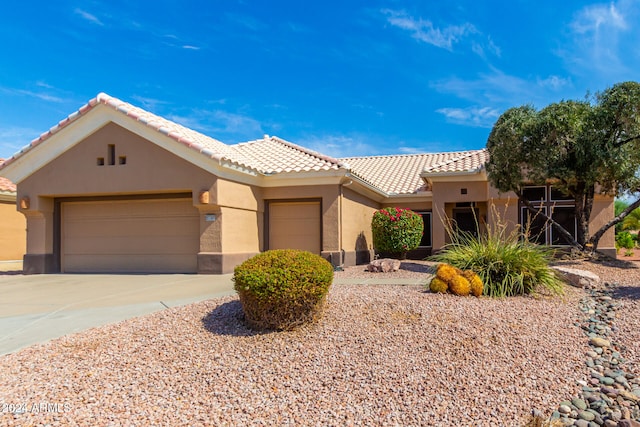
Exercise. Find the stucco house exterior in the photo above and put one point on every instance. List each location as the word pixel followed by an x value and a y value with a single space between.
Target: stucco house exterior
pixel 114 188
pixel 12 223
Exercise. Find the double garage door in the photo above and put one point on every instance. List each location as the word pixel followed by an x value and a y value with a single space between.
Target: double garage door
pixel 129 236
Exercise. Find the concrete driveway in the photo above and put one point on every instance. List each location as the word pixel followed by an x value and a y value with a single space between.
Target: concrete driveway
pixel 35 309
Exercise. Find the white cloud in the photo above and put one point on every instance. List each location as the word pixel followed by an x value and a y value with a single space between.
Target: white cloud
pixel 147 103
pixel 13 138
pixel 89 17
pixel 595 17
pixel 189 47
pixel 554 82
pixel 221 125
pixel 500 89
pixel 603 42
pixel 340 146
pixel 471 116
pixel 44 96
pixel 425 31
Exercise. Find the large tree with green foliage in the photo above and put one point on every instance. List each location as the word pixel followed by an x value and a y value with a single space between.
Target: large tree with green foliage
pixel 582 147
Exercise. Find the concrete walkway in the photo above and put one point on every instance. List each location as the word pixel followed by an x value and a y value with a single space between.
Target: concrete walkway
pixel 35 309
pixel 38 308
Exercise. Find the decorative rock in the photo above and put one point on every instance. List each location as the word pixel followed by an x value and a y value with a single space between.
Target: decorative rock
pixel 628 423
pixel 579 403
pixel 564 409
pixel 599 342
pixel 579 278
pixel 581 423
pixel 384 265
pixel 586 415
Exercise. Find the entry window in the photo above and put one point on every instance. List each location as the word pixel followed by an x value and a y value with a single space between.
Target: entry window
pixel 426 231
pixel 548 200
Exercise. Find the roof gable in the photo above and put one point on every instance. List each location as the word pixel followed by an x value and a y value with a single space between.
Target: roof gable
pixel 273 155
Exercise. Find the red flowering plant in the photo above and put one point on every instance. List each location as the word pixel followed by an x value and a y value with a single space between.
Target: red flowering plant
pixel 396 231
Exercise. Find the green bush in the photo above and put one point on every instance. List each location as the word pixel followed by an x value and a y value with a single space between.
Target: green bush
pixel 625 240
pixel 508 263
pixel 282 289
pixel 396 231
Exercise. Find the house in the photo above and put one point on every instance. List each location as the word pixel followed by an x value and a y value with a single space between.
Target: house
pixel 114 188
pixel 13 233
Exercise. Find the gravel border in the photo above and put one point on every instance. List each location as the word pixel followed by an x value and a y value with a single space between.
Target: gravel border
pixel 382 355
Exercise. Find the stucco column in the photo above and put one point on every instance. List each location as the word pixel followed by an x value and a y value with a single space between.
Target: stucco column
pixel 40 231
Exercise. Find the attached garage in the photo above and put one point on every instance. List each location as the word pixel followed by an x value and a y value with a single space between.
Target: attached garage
pixel 295 225
pixel 140 235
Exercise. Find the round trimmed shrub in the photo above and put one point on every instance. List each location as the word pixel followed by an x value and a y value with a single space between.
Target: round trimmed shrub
pixel 282 289
pixel 396 231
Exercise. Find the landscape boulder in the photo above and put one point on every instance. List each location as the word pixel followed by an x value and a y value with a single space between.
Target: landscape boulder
pixel 578 278
pixel 383 265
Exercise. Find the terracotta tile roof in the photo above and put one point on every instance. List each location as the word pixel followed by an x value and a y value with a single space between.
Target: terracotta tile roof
pixel 397 174
pixel 6 186
pixel 274 155
pixel 400 174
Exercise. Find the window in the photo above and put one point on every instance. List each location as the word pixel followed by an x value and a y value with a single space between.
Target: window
pixel 548 200
pixel 426 232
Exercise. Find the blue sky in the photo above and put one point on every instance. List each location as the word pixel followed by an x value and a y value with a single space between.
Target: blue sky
pixel 345 78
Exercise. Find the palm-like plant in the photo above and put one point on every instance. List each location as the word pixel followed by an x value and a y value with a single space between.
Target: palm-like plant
pixel 632 221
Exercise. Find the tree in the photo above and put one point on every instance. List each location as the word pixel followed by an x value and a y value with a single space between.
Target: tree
pixel 581 147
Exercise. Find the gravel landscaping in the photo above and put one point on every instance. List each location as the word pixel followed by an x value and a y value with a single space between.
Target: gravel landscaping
pixel 382 355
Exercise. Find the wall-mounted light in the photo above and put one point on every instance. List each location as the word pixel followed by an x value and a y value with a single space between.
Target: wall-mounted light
pixel 203 198
pixel 25 203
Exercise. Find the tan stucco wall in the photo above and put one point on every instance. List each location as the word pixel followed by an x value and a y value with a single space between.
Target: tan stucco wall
pixel 357 212
pixel 603 212
pixel 241 230
pixel 13 234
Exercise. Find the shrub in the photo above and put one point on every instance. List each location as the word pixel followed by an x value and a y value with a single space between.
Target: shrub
pixel 396 231
pixel 625 240
pixel 507 263
pixel 282 289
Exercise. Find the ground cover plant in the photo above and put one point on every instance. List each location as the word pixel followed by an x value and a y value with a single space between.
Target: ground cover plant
pixel 282 289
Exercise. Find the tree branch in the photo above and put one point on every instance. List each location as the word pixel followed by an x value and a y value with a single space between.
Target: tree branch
pixel 549 220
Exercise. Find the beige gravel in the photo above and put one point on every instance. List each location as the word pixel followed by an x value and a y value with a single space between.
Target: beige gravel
pixel 382 355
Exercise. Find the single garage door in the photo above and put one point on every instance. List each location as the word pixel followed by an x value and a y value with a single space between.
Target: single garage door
pixel 129 236
pixel 295 225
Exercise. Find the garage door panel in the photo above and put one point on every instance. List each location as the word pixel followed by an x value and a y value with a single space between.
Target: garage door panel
pixel 83 263
pixel 295 225
pixel 151 235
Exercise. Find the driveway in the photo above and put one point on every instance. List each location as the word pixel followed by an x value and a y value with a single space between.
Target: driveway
pixel 37 308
